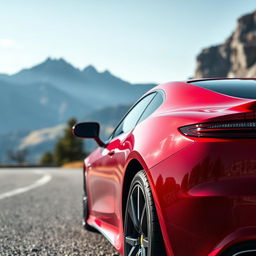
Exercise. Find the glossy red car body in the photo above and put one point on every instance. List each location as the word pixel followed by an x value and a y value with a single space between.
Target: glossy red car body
pixel 204 189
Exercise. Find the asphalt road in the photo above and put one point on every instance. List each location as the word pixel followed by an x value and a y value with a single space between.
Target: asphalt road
pixel 40 214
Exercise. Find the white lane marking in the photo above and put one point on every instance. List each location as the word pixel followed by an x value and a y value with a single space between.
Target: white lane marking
pixel 45 179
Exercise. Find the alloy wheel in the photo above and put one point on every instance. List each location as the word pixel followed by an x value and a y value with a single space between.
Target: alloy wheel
pixel 136 223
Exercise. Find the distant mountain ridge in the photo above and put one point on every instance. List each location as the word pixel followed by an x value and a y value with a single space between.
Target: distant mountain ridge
pixel 51 92
pixel 236 57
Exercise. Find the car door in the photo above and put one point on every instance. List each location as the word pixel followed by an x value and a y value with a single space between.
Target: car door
pixel 106 172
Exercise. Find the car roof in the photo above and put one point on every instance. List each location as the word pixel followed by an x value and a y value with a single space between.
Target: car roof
pixel 218 78
pixel 188 95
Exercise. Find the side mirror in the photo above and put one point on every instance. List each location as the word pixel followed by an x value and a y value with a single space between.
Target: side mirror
pixel 90 130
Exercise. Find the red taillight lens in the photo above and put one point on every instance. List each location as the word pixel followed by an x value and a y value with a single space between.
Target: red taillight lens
pixel 232 129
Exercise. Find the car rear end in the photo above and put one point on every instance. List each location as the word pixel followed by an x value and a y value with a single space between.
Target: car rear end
pixel 207 190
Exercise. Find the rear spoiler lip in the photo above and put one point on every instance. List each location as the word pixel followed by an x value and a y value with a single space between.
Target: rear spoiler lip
pixel 248 106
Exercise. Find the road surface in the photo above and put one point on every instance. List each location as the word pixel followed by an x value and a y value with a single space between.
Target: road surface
pixel 40 214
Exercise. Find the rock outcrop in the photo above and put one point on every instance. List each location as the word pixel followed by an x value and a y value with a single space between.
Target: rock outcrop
pixel 236 57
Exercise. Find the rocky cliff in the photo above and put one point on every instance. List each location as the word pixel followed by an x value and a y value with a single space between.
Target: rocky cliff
pixel 236 57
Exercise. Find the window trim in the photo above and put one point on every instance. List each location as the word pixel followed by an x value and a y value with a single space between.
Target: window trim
pixel 162 93
pixel 111 137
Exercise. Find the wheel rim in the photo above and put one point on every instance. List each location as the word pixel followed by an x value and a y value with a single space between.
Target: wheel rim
pixel 245 252
pixel 136 224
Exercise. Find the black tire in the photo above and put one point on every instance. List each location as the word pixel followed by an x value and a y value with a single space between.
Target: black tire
pixel 85 212
pixel 142 233
pixel 242 249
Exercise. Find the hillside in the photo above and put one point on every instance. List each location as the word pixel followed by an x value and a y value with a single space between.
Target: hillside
pixel 41 140
pixel 36 105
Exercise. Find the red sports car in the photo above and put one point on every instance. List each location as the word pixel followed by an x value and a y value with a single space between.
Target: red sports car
pixel 178 174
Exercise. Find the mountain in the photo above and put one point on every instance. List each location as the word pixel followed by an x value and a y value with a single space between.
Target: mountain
pixel 97 88
pixel 236 57
pixel 53 91
pixel 35 106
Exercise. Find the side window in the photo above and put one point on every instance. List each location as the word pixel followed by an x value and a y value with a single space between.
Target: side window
pixel 131 119
pixel 153 105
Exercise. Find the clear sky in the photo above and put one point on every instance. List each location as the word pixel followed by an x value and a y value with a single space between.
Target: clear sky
pixel 137 40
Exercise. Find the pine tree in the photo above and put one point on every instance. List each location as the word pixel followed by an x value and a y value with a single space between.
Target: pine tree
pixel 47 158
pixel 68 148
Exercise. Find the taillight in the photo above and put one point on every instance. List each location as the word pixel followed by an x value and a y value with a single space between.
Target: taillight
pixel 231 129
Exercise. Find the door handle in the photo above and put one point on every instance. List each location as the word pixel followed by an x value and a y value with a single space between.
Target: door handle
pixel 111 152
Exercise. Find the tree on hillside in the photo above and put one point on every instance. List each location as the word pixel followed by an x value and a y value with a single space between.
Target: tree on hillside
pixel 47 158
pixel 68 148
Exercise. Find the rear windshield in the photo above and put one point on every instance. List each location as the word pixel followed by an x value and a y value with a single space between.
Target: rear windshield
pixel 233 87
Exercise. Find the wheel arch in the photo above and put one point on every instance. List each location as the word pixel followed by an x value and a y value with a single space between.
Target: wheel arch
pixel 133 167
